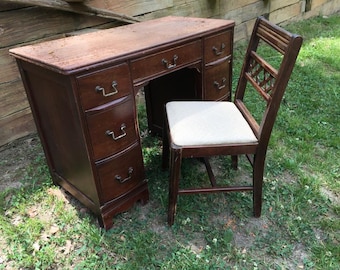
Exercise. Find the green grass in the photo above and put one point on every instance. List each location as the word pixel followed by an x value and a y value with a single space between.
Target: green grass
pixel 300 225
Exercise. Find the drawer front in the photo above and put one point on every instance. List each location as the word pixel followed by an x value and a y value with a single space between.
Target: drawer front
pixel 217 81
pixel 113 129
pixel 159 63
pixel 121 174
pixel 218 46
pixel 103 86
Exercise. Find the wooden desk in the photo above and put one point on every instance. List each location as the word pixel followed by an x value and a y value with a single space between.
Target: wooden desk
pixel 82 93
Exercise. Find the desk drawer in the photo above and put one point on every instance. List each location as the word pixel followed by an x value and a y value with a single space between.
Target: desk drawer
pixel 113 129
pixel 159 63
pixel 121 174
pixel 217 81
pixel 103 86
pixel 218 46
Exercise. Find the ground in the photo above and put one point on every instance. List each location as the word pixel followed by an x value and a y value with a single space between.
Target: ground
pixel 18 156
pixel 15 157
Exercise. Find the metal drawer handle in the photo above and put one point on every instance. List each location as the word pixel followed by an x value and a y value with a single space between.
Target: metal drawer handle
pixel 119 178
pixel 112 134
pixel 219 52
pixel 169 65
pixel 222 85
pixel 114 85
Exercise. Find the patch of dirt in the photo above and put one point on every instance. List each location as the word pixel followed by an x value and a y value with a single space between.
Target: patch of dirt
pixel 334 198
pixel 15 157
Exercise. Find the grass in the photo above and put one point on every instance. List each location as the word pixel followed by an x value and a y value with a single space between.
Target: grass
pixel 43 228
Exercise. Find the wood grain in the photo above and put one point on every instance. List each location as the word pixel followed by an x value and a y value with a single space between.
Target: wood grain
pixel 77 8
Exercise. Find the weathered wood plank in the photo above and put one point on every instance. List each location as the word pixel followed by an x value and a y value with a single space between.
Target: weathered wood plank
pixel 231 5
pixel 330 7
pixel 79 8
pixel 131 7
pixel 243 31
pixel 4 6
pixel 9 70
pixel 200 8
pixel 278 4
pixel 40 23
pixel 16 126
pixel 318 3
pixel 13 98
pixel 285 13
pixel 247 12
pixel 186 8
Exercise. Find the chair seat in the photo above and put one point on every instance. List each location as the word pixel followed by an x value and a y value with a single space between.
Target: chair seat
pixel 194 123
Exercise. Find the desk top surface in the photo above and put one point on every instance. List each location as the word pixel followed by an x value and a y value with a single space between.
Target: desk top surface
pixel 72 53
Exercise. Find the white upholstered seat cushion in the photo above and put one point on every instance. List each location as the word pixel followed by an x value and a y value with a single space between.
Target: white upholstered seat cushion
pixel 207 123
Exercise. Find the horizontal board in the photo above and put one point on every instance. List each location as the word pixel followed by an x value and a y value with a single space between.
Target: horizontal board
pixel 330 7
pixel 247 13
pixel 5 6
pixel 131 7
pixel 232 5
pixel 16 126
pixel 189 8
pixel 37 23
pixel 13 98
pixel 285 13
pixel 318 3
pixel 199 8
pixel 278 4
pixel 9 69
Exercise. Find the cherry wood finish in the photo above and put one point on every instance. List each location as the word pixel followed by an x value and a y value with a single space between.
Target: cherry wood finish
pixel 270 83
pixel 82 93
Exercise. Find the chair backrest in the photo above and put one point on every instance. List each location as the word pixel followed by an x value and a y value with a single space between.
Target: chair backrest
pixel 269 81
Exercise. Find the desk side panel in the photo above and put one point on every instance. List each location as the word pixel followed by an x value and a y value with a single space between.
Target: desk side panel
pixel 59 126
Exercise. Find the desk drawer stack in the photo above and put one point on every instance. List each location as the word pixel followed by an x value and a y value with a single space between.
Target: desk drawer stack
pixel 107 102
pixel 217 59
pixel 87 125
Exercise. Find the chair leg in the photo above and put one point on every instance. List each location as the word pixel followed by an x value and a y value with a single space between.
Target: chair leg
pixel 257 186
pixel 210 172
pixel 165 151
pixel 234 162
pixel 175 168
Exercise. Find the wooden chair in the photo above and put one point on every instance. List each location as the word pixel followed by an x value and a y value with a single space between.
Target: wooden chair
pixel 210 128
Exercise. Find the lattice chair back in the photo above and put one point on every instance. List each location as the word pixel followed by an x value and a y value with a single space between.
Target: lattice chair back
pixel 268 80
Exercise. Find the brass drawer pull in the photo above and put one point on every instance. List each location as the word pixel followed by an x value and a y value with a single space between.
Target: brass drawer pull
pixel 222 85
pixel 169 65
pixel 219 52
pixel 119 178
pixel 112 134
pixel 102 89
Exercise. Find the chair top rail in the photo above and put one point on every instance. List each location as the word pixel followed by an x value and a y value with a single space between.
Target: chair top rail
pixel 274 35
